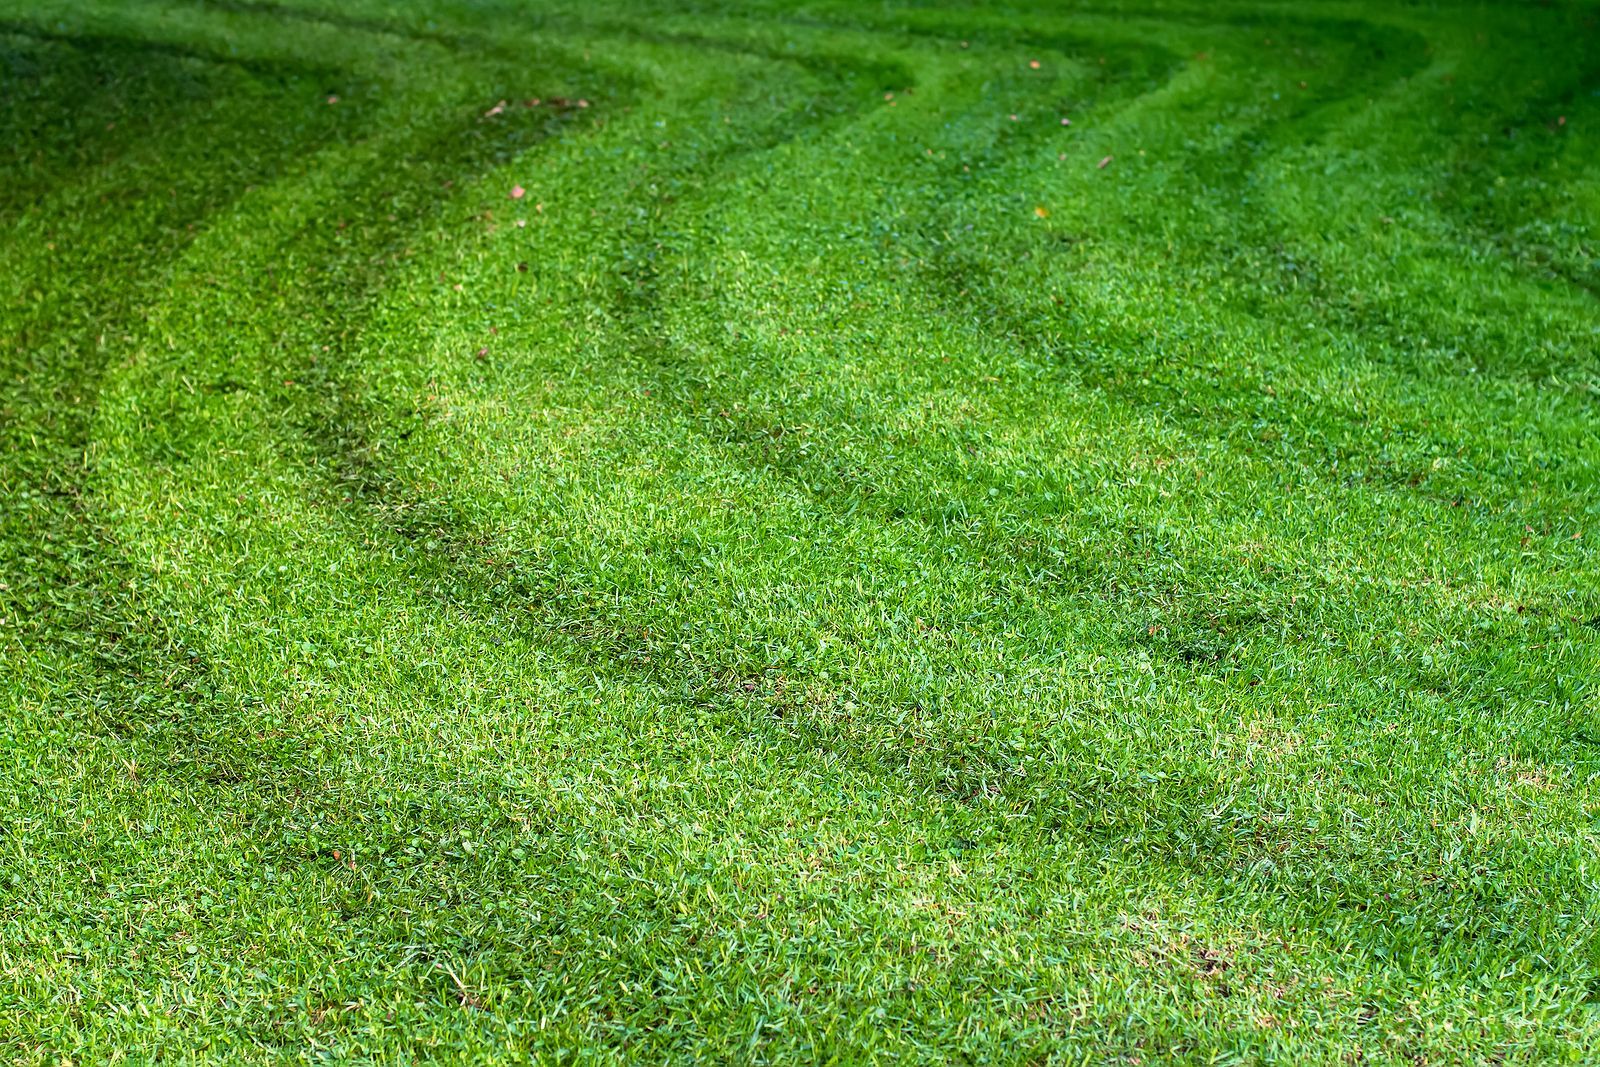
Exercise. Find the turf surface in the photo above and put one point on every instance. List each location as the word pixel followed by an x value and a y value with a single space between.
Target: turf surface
pixel 834 532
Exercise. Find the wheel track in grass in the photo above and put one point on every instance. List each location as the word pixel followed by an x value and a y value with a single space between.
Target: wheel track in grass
pixel 1180 653
pixel 820 470
pixel 344 457
pixel 355 24
pixel 697 400
pixel 185 738
pixel 143 678
pixel 67 576
pixel 336 422
pixel 191 738
pixel 314 419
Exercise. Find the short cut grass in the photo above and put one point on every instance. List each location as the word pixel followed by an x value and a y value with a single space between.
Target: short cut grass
pixel 819 532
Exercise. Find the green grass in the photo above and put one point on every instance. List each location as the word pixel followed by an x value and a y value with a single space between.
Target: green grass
pixel 825 576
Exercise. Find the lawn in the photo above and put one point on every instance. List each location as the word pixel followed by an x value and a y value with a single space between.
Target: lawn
pixel 806 532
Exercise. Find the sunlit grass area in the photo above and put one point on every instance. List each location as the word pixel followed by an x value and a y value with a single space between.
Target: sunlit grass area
pixel 808 532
